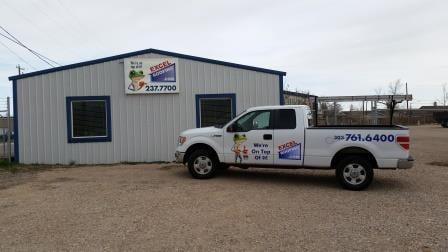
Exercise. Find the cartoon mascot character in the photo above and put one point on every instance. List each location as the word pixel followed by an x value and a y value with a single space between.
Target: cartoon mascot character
pixel 238 141
pixel 137 81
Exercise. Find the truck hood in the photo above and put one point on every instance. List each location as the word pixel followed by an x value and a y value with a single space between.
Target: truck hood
pixel 206 131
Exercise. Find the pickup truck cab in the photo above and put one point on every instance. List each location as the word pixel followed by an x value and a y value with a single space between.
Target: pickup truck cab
pixel 284 137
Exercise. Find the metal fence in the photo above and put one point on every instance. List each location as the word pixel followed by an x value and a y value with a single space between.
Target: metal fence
pixel 361 110
pixel 6 130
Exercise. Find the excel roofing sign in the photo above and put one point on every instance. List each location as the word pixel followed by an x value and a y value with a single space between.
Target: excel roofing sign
pixel 151 75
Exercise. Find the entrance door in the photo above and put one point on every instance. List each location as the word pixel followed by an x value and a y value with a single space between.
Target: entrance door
pixel 288 138
pixel 249 140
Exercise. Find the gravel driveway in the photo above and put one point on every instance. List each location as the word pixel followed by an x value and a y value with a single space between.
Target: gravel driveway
pixel 159 207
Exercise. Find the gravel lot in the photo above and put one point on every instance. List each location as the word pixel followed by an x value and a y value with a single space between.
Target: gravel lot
pixel 159 207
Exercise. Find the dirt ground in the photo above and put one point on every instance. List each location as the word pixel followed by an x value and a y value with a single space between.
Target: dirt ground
pixel 159 207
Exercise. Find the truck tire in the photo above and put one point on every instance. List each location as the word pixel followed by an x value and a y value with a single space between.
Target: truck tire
pixel 354 172
pixel 202 164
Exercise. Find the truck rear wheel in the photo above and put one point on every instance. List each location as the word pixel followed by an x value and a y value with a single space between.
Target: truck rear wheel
pixel 202 164
pixel 354 172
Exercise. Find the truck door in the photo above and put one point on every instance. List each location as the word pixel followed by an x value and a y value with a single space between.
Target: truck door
pixel 249 140
pixel 289 138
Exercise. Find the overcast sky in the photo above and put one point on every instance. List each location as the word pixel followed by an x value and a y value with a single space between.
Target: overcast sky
pixel 326 47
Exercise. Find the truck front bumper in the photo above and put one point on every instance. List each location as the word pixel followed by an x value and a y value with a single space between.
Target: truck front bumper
pixel 179 156
pixel 405 163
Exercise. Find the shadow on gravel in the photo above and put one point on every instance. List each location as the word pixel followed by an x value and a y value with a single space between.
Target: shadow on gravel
pixel 8 180
pixel 435 163
pixel 270 176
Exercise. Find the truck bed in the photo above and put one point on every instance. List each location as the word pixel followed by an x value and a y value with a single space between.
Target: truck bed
pixel 400 127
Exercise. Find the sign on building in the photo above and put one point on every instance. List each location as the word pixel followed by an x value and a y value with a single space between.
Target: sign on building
pixel 151 75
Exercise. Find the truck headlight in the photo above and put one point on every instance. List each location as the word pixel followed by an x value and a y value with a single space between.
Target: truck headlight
pixel 181 140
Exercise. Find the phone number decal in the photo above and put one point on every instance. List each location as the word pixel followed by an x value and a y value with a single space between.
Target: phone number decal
pixel 159 88
pixel 365 138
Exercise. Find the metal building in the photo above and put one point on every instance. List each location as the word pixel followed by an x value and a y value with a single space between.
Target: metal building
pixel 130 107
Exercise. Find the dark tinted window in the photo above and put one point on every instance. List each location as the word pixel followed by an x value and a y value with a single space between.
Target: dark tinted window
pixel 89 118
pixel 285 119
pixel 215 111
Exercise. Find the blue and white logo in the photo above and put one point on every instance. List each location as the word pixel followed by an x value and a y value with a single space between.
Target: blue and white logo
pixel 292 151
pixel 167 74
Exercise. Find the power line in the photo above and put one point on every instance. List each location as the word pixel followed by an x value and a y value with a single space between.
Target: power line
pixel 49 37
pixel 18 42
pixel 30 50
pixel 18 56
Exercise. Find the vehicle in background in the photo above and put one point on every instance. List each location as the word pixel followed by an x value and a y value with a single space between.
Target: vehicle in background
pixel 442 118
pixel 284 137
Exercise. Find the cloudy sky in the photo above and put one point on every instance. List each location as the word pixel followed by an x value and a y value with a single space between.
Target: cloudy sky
pixel 326 47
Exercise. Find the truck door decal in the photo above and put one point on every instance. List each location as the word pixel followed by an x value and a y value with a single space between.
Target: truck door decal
pixel 238 147
pixel 290 150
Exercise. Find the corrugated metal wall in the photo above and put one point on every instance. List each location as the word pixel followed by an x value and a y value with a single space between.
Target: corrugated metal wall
pixel 144 127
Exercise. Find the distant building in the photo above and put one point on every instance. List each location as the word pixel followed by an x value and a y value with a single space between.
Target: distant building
pixel 297 98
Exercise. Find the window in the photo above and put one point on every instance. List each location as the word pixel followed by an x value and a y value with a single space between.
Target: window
pixel 285 119
pixel 257 120
pixel 214 109
pixel 310 117
pixel 88 119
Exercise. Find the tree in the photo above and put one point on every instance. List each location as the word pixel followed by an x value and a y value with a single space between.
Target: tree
pixel 394 88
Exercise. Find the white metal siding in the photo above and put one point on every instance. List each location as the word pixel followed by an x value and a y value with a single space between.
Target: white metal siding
pixel 144 127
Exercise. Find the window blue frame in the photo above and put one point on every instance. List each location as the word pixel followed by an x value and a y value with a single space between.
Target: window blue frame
pixel 232 97
pixel 70 138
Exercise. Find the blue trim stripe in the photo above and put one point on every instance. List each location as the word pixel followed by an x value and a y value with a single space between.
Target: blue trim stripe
pixel 282 97
pixel 232 97
pixel 71 139
pixel 16 122
pixel 155 51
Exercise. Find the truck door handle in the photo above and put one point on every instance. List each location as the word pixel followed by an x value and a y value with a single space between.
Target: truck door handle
pixel 267 137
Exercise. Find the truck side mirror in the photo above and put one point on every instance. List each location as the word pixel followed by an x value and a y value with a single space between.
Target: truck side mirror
pixel 231 128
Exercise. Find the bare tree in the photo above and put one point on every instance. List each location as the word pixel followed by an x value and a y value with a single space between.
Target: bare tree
pixel 394 88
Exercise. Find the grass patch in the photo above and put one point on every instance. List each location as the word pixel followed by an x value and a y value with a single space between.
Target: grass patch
pixel 13 167
pixel 7 166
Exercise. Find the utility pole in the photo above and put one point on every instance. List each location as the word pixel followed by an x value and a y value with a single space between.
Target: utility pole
pixel 9 129
pixel 407 103
pixel 445 95
pixel 335 114
pixel 19 69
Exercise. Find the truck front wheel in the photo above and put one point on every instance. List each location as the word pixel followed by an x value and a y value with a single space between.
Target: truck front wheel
pixel 202 164
pixel 354 172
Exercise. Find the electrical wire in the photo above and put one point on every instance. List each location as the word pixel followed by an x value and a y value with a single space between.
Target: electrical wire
pixel 30 50
pixel 18 56
pixel 18 42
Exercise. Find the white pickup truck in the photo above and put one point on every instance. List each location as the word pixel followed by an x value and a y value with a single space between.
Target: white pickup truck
pixel 284 137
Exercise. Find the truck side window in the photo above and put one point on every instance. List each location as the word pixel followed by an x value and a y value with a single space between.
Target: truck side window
pixel 285 119
pixel 254 121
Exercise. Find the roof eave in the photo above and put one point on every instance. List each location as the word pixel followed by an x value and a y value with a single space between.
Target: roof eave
pixel 151 50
